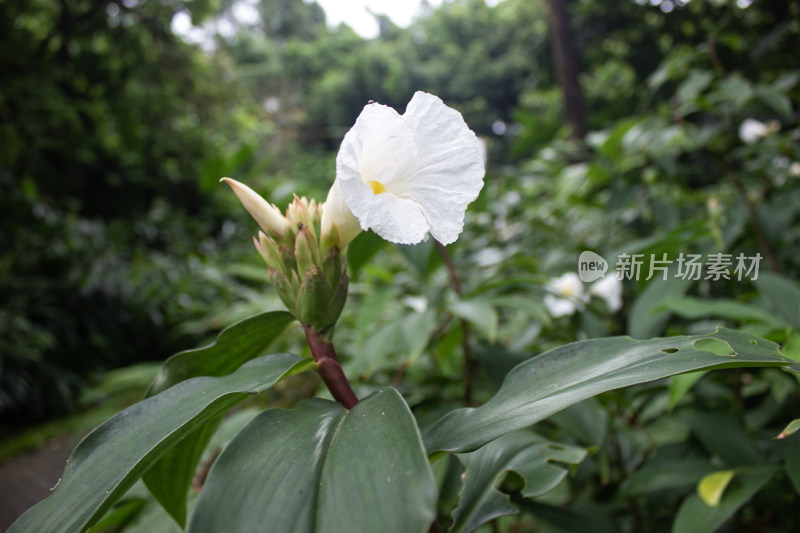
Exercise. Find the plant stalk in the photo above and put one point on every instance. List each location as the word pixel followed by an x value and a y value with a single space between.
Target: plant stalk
pixel 330 370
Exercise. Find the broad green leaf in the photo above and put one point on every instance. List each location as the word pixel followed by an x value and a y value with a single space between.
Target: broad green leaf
pixel 665 474
pixel 697 82
pixel 418 328
pixel 546 384
pixel 782 295
pixel 575 518
pixel 361 250
pixel 528 455
pixel 419 255
pixel 480 314
pixel 787 81
pixel 587 421
pixel 234 346
pixel 113 456
pixel 689 307
pixel 791 348
pixel 734 90
pixel 722 435
pixel 121 514
pixel 321 468
pixel 694 516
pixel 647 317
pixel 713 485
pixel 401 340
pixel 170 478
pixel 533 308
pixel 679 385
pixel 775 99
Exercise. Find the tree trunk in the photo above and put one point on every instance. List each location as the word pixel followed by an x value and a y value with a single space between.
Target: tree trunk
pixel 565 58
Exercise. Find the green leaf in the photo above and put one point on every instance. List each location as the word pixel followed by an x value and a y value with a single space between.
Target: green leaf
pixel 665 474
pixel 697 82
pixel 113 456
pixel 480 314
pixel 320 468
pixel 361 250
pixel 734 90
pixel 775 99
pixel 782 295
pixel 722 435
pixel 713 485
pixel 647 317
pixel 561 377
pixel 587 421
pixel 234 346
pixel 419 255
pixel 528 455
pixel 120 515
pixel 170 478
pixel 694 516
pixel 689 307
pixel 401 340
pixel 792 466
pixel 679 385
pixel 572 518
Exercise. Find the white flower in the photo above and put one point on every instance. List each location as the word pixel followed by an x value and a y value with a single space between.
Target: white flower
pixel 751 130
pixel 609 289
pixel 404 176
pixel 565 295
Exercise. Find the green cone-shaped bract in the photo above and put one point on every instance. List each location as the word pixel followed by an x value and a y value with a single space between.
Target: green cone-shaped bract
pixel 309 278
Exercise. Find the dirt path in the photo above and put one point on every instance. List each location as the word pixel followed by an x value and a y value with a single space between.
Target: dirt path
pixel 29 477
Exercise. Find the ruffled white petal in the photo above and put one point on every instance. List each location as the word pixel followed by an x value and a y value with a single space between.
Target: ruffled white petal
pixel 380 146
pixel 427 163
pixel 448 173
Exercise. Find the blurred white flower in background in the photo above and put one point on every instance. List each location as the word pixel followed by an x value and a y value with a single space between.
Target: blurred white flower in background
pixel 752 130
pixel 565 295
pixel 404 176
pixel 609 289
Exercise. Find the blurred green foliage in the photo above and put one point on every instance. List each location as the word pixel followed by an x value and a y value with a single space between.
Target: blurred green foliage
pixel 118 245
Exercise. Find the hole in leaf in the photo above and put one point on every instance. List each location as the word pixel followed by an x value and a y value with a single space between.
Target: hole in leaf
pixel 669 350
pixel 714 346
pixel 752 341
pixel 512 482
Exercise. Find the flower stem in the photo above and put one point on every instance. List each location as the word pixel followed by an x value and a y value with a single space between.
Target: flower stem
pixel 329 368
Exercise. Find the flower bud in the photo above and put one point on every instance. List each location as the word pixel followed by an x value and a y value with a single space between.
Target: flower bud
pixel 339 225
pixel 312 282
pixel 267 215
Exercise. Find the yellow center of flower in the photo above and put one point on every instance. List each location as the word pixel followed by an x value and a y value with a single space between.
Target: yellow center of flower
pixel 567 291
pixel 376 186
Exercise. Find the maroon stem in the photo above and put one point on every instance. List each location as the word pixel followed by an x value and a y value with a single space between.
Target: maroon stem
pixel 329 368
